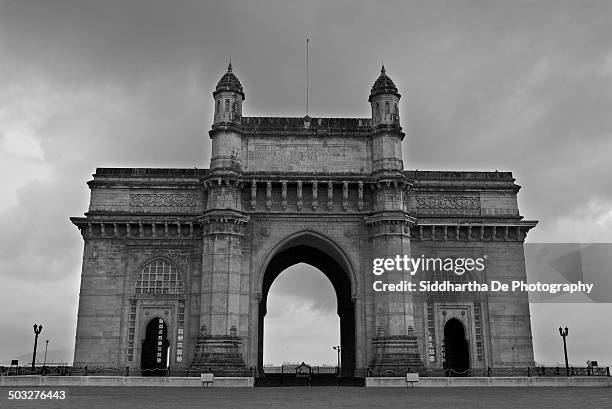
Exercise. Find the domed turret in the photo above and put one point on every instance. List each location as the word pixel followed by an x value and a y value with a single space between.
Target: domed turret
pixel 383 85
pixel 229 82
pixel 228 98
pixel 384 99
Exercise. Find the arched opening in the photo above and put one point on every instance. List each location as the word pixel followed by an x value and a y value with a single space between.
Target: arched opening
pixel 301 324
pixel 457 354
pixel 323 255
pixel 154 356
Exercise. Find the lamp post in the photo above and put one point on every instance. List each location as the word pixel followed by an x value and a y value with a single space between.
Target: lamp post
pixel 337 348
pixel 45 362
pixel 37 330
pixel 564 333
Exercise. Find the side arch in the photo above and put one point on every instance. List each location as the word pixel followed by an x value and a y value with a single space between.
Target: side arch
pixel 457 359
pixel 154 347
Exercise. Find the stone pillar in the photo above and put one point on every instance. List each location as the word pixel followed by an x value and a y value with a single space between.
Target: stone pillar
pixel 394 344
pixel 219 345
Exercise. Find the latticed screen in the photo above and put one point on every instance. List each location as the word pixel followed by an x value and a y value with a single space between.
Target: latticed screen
pixel 159 277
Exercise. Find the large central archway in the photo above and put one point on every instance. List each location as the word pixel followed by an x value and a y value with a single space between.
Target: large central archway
pixel 319 252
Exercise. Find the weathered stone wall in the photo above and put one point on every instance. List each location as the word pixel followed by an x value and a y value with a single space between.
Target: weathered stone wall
pixel 307 154
pixel 495 322
pixel 136 216
pixel 98 337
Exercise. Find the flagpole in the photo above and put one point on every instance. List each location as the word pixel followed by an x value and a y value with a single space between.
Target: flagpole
pixel 307 42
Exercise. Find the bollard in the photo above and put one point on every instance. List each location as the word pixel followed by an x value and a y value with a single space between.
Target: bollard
pixel 528 372
pixel 127 371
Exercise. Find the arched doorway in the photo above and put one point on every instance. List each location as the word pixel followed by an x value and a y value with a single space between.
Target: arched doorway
pixel 301 323
pixel 154 356
pixel 318 252
pixel 457 354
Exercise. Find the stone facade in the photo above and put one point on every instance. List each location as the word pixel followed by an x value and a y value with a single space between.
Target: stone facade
pixel 200 248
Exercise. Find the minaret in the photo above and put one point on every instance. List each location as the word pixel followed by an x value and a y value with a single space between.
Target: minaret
pixel 393 341
pixel 225 133
pixel 388 134
pixel 224 292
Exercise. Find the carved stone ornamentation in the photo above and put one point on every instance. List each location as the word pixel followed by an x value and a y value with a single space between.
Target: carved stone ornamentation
pixel 162 200
pixel 447 202
pixel 299 195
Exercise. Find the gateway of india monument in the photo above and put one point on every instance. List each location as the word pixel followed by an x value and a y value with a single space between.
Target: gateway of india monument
pixel 178 263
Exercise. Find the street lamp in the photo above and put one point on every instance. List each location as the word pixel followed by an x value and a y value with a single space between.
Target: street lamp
pixel 45 362
pixel 564 333
pixel 37 330
pixel 337 348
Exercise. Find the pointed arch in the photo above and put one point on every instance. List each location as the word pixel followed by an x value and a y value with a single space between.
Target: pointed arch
pixel 316 240
pixel 316 249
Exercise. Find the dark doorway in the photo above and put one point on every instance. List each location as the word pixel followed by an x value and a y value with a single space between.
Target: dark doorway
pixel 154 357
pixel 338 276
pixel 457 353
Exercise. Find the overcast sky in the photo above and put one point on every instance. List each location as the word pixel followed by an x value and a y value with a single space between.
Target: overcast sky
pixel 523 86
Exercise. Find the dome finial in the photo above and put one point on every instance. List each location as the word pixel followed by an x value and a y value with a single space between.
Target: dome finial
pixel 383 85
pixel 229 82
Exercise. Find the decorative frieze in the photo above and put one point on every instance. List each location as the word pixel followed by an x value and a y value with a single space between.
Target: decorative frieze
pixel 163 200
pixel 447 202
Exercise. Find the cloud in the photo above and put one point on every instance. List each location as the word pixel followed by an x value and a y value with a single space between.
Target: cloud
pixel 52 304
pixel 305 288
pixel 301 324
pixel 583 321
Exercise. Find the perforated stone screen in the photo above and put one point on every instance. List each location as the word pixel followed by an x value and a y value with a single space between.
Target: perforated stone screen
pixel 159 277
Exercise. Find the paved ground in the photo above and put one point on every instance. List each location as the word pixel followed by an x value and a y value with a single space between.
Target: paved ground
pixel 320 397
